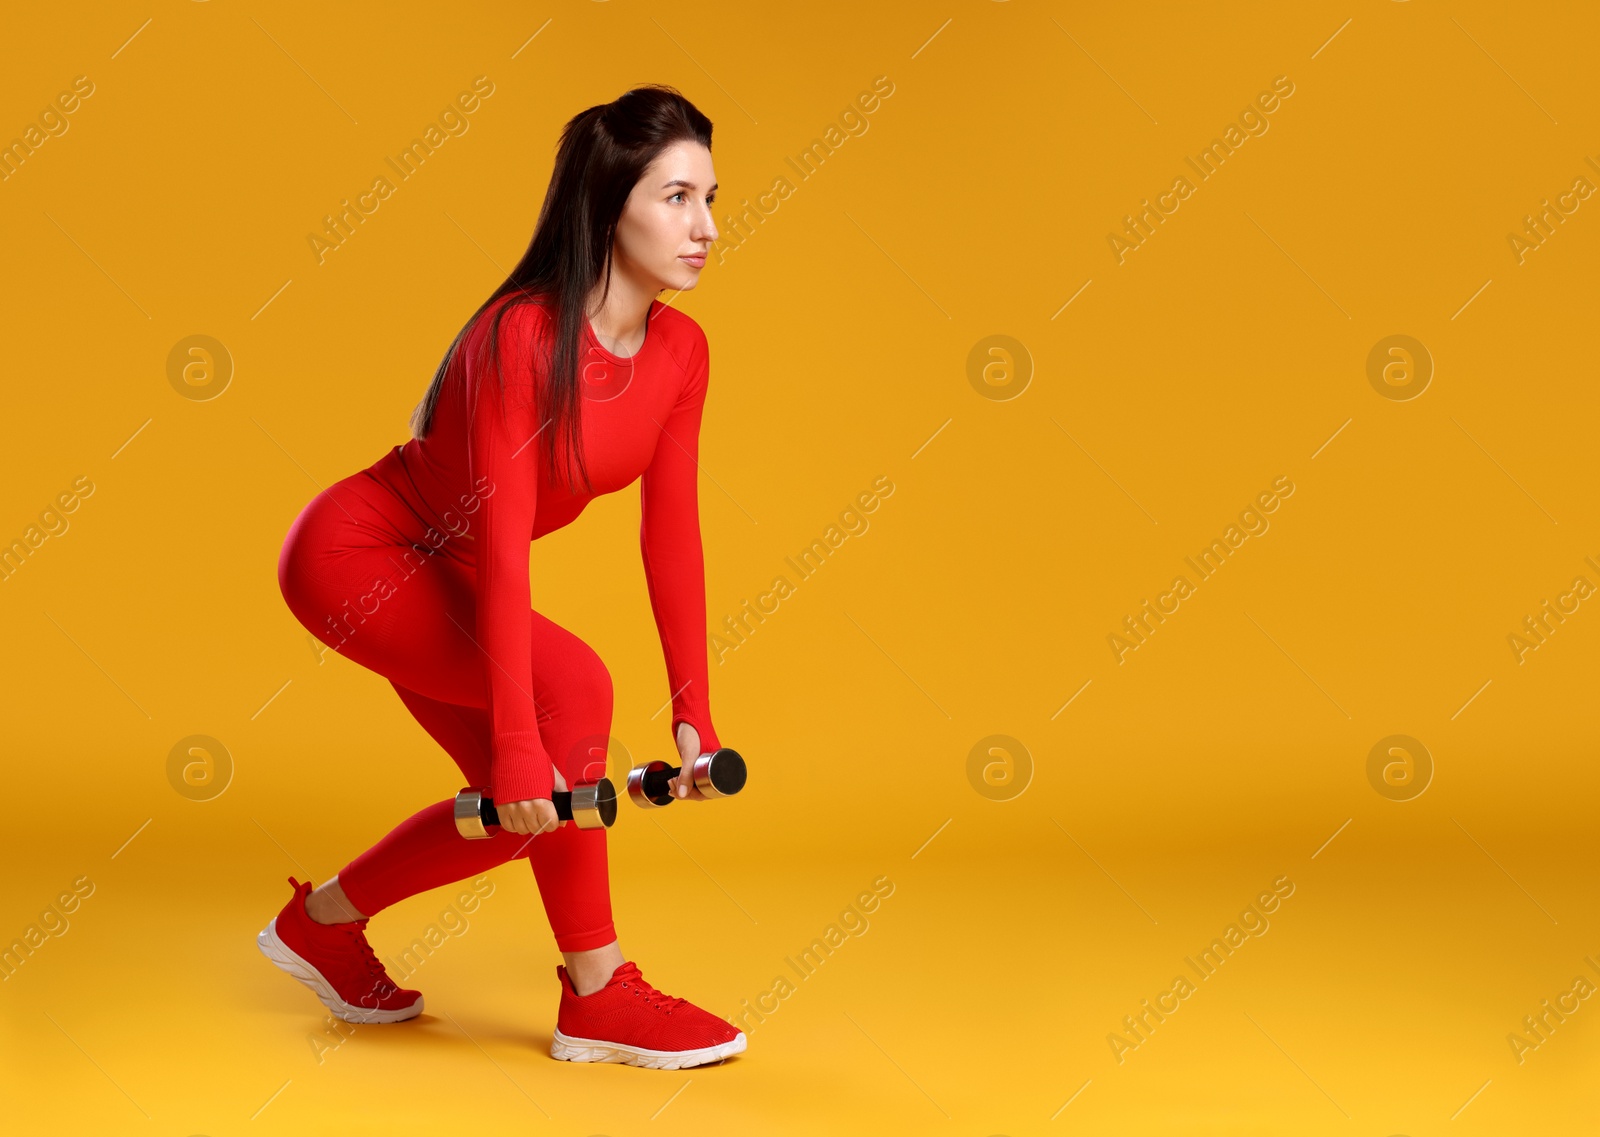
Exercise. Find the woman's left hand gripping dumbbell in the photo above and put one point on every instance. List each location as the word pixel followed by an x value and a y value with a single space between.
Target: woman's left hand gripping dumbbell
pixel 534 816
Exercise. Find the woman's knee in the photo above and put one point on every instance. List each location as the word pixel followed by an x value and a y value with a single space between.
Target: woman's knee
pixel 588 693
pixel 576 680
pixel 579 704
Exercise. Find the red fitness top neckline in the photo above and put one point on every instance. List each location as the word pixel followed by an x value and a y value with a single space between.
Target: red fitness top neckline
pixel 594 340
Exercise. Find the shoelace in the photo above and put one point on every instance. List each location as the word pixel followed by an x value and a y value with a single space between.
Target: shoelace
pixel 667 1003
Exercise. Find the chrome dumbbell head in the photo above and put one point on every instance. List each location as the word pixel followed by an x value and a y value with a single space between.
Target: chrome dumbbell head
pixel 470 813
pixel 594 806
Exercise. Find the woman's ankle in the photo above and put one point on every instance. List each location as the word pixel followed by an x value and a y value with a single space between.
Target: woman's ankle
pixel 329 905
pixel 588 984
pixel 592 970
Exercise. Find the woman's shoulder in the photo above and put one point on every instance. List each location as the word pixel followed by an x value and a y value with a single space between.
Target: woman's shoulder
pixel 682 336
pixel 520 323
pixel 676 322
pixel 527 313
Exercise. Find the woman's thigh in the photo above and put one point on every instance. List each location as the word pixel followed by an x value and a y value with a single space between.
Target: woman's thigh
pixel 413 619
pixel 347 575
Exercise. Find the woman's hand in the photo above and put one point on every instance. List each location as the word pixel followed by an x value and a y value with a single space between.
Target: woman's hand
pixel 534 816
pixel 682 786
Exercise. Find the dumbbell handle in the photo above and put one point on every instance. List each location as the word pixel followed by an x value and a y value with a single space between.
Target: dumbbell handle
pixel 561 799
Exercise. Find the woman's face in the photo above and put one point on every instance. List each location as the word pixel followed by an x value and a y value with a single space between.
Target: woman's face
pixel 667 218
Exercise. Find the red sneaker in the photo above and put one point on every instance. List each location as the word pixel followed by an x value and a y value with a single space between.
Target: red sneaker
pixel 337 963
pixel 631 1022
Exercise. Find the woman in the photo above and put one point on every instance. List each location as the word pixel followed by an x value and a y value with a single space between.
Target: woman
pixel 570 381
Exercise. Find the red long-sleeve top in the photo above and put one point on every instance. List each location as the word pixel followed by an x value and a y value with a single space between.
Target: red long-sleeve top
pixel 640 421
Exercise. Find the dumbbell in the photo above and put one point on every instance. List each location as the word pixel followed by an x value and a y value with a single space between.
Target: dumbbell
pixel 718 774
pixel 591 806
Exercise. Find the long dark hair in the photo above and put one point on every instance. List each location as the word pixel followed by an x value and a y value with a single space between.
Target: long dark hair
pixel 602 154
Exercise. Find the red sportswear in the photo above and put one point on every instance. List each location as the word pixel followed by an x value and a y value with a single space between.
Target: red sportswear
pixel 479 476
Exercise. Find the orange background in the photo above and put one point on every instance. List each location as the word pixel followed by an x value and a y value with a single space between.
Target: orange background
pixel 938 705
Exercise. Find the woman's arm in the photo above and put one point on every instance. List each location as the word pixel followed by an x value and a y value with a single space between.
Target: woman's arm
pixel 504 453
pixel 674 563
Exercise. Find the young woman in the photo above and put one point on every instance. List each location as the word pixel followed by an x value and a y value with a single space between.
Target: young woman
pixel 570 381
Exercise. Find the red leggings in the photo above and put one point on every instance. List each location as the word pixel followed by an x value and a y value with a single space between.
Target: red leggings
pixel 418 636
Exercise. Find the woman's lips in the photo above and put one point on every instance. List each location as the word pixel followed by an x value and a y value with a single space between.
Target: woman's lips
pixel 696 261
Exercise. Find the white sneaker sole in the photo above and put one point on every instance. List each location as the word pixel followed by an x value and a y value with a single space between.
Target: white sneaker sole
pixel 285 957
pixel 569 1049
